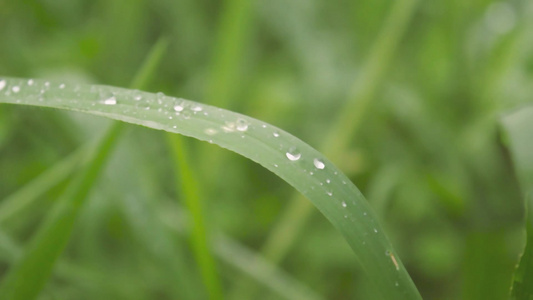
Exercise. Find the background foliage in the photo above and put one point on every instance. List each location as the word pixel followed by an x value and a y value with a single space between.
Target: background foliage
pixel 428 153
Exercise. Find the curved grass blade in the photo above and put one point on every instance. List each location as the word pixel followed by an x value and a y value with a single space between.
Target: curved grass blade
pixel 519 133
pixel 285 155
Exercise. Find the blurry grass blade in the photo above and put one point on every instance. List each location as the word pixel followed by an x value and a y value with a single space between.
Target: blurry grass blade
pixel 285 155
pixel 519 134
pixel 233 26
pixel 22 280
pixel 263 271
pixel 193 200
pixel 238 256
pixel 30 192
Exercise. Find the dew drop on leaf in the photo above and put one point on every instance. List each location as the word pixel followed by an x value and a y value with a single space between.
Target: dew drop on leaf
pixel 137 95
pixel 160 97
pixel 2 84
pixel 197 108
pixel 15 89
pixel 178 107
pixel 293 154
pixel 276 134
pixel 242 125
pixel 319 164
pixel 344 204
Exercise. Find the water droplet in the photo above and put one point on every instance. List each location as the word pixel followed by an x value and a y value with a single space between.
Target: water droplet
pixel 179 107
pixel 375 230
pixel 275 134
pixel 329 193
pixel 197 108
pixel 344 204
pixel 108 98
pixel 30 82
pixel 15 89
pixel 210 131
pixel 264 126
pixel 328 181
pixel 2 84
pixel 242 125
pixel 364 214
pixel 110 101
pixel 137 95
pixel 293 154
pixel 160 97
pixel 62 86
pixel 186 114
pixel 276 165
pixel 319 164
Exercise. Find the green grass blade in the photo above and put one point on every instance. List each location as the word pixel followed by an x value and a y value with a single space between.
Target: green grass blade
pixel 285 155
pixel 15 203
pixel 233 26
pixel 519 133
pixel 193 199
pixel 343 131
pixel 22 282
pixel 243 259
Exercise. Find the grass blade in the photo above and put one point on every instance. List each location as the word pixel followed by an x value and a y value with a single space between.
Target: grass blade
pixel 22 282
pixel 285 155
pixel 193 200
pixel 519 132
pixel 30 192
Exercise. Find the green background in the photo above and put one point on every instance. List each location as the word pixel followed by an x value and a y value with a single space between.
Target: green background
pixel 428 153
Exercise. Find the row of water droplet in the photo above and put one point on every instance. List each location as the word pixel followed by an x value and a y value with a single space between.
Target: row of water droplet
pixel 171 107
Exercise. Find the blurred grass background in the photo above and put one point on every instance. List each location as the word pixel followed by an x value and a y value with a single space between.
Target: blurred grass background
pixel 427 153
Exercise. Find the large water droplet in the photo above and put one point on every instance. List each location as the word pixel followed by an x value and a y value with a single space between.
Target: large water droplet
pixel 293 154
pixel 2 84
pixel 319 164
pixel 242 125
pixel 275 134
pixel 15 89
pixel 30 82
